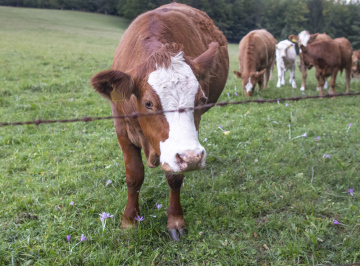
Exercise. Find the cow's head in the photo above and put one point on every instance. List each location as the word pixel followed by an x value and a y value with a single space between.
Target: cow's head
pixel 282 48
pixel 169 86
pixel 304 38
pixel 249 80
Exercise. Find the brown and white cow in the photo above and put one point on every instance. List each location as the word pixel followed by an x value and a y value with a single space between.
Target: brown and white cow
pixel 329 57
pixel 169 58
pixel 304 38
pixel 355 70
pixel 256 60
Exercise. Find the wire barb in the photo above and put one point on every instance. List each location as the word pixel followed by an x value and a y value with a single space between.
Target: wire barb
pixel 135 115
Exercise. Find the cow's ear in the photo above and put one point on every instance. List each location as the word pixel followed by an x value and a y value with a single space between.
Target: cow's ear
pixel 313 37
pixel 206 61
pixel 237 74
pixel 303 48
pixel 259 74
pixel 113 85
pixel 294 38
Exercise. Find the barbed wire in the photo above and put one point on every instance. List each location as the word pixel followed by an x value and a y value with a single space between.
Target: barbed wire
pixel 180 110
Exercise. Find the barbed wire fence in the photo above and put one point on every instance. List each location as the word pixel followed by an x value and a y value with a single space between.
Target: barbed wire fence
pixel 180 110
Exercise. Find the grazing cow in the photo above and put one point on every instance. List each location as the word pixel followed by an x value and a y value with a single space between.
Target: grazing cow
pixel 304 38
pixel 285 60
pixel 355 70
pixel 329 57
pixel 169 58
pixel 256 60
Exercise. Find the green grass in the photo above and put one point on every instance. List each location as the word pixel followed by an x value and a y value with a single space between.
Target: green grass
pixel 256 189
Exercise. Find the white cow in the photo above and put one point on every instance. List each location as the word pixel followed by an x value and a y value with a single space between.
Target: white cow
pixel 285 60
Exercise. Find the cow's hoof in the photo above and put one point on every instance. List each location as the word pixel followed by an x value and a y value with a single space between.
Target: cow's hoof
pixel 302 88
pixel 176 234
pixel 126 224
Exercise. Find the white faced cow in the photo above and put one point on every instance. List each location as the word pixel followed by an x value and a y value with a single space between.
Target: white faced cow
pixel 285 60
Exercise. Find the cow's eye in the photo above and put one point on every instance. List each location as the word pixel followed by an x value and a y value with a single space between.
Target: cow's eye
pixel 148 105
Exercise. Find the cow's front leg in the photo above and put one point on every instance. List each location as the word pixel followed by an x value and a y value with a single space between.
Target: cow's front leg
pixel 278 85
pixel 134 179
pixel 176 223
pixel 303 75
pixel 283 72
pixel 321 82
pixel 292 77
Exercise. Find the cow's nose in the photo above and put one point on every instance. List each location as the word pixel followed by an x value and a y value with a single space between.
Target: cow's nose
pixel 190 160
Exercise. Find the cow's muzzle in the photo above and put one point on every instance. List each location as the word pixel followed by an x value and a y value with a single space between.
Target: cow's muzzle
pixel 187 161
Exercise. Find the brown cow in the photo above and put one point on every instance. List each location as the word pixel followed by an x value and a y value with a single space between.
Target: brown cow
pixel 304 38
pixel 355 70
pixel 256 60
pixel 169 58
pixel 329 57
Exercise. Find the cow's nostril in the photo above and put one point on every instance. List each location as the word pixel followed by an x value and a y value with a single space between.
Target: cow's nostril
pixel 179 158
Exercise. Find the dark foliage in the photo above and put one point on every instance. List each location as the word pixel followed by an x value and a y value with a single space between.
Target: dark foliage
pixel 237 17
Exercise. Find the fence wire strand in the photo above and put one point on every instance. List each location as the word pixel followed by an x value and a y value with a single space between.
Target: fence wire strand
pixel 180 110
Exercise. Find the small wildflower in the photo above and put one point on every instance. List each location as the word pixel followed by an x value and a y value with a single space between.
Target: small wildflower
pixel 158 206
pixel 105 215
pixel 289 125
pixel 278 101
pixel 138 218
pixel 336 222
pixel 83 238
pixel 326 156
pixel 248 112
pixel 153 216
pixel 108 182
pixel 304 135
pixel 205 139
pixel 226 132
pixel 286 104
pixel 236 94
pixel 68 238
pixel 318 138
pixel 351 191
pixel 72 99
pixel 228 94
pixel 71 203
pixel 235 87
pixel 348 128
pixel 303 93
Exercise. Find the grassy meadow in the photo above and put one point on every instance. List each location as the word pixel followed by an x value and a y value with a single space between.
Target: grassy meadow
pixel 262 199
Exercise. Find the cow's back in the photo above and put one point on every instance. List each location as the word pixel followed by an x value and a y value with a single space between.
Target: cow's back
pixel 321 37
pixel 257 47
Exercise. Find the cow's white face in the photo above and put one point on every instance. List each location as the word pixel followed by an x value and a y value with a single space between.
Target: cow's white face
pixel 304 38
pixel 177 87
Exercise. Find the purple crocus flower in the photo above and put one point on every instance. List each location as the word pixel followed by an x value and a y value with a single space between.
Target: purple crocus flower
pixel 278 101
pixel 138 218
pixel 71 203
pixel 72 99
pixel 336 222
pixel 236 94
pixel 117 164
pixel 351 191
pixel 105 215
pixel 303 93
pixel 350 125
pixel 228 94
pixel 326 156
pixel 68 238
pixel 158 206
pixel 108 182
pixel 318 138
pixel 304 135
pixel 289 125
pixel 286 104
pixel 83 238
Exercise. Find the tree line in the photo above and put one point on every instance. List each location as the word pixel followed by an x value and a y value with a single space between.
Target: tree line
pixel 338 18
